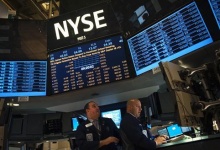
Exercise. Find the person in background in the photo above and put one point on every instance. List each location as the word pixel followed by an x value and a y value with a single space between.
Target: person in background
pixel 96 133
pixel 132 128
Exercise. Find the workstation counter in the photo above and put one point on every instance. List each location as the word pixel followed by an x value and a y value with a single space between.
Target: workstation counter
pixel 208 142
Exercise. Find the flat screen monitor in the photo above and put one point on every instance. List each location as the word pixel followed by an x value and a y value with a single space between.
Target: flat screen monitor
pixel 215 6
pixel 186 129
pixel 23 78
pixel 174 130
pixel 163 132
pixel 178 34
pixel 115 115
pixel 89 64
pixel 75 123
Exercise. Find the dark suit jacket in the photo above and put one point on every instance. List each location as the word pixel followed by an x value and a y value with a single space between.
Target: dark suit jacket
pixel 133 130
pixel 88 137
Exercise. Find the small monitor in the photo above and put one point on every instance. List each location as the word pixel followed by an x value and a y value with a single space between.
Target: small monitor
pixel 186 129
pixel 174 130
pixel 75 123
pixel 163 132
pixel 115 115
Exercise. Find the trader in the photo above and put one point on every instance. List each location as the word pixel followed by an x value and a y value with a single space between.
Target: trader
pixel 132 128
pixel 96 132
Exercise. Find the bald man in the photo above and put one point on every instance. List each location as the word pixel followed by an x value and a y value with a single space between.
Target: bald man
pixel 133 129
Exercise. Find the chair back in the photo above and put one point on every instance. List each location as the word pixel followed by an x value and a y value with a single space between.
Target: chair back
pixel 126 143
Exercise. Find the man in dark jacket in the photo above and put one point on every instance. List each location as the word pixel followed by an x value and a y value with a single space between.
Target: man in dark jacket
pixel 96 133
pixel 133 129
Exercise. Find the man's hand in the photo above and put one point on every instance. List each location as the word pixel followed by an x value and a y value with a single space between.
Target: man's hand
pixel 108 140
pixel 161 139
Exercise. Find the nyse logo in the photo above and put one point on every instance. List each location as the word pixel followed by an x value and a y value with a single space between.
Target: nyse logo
pixel 98 16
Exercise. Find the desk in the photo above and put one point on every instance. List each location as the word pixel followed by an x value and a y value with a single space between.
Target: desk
pixel 209 142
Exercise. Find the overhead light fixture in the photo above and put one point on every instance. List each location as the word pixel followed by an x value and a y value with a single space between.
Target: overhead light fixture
pixel 46 5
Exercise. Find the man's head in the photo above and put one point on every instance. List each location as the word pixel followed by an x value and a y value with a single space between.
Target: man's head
pixel 92 110
pixel 134 107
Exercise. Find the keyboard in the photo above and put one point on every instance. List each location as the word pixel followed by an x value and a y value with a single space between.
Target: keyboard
pixel 175 139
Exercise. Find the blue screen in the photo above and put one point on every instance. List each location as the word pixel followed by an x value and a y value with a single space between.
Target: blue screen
pixel 115 115
pixel 215 6
pixel 23 78
pixel 89 64
pixel 75 123
pixel 180 33
pixel 174 130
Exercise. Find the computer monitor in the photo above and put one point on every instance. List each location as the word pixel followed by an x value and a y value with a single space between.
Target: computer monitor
pixel 23 78
pixel 115 115
pixel 174 130
pixel 186 129
pixel 89 64
pixel 75 123
pixel 180 33
pixel 215 6
pixel 163 132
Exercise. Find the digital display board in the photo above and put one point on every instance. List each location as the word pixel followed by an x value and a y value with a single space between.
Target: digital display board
pixel 23 78
pixel 215 6
pixel 89 64
pixel 81 26
pixel 178 34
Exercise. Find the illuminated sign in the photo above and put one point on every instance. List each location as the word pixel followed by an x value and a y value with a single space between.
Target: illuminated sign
pixel 81 26
pixel 75 25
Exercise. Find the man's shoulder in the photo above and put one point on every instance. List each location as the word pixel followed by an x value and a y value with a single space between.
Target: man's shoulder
pixel 105 119
pixel 128 116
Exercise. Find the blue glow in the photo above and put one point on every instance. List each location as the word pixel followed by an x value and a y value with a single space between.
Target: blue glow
pixel 23 78
pixel 215 6
pixel 176 35
pixel 75 123
pixel 174 130
pixel 115 115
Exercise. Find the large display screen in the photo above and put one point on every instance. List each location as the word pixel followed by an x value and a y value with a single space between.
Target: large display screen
pixel 115 115
pixel 23 78
pixel 89 64
pixel 178 34
pixel 215 5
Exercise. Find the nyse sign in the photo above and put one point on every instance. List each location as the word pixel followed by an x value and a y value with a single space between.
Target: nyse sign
pixel 81 26
pixel 85 19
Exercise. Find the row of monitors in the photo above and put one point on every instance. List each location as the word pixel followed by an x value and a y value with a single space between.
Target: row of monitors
pixel 107 60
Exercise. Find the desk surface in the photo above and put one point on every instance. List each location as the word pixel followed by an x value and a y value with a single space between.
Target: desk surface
pixel 191 140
